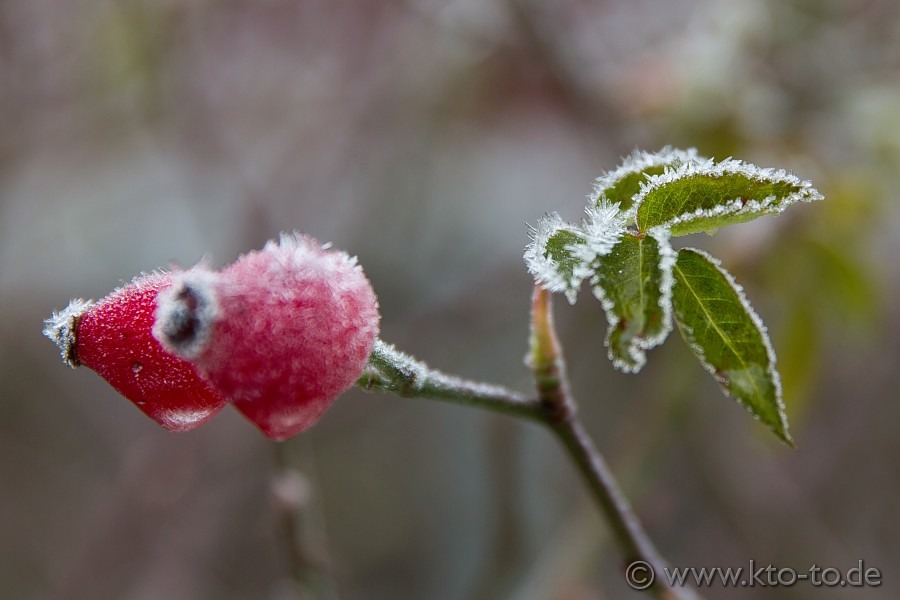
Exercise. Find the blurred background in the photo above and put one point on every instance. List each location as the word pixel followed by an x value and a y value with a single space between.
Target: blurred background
pixel 423 136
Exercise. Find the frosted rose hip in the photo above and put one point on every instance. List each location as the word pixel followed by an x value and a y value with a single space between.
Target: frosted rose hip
pixel 113 338
pixel 281 332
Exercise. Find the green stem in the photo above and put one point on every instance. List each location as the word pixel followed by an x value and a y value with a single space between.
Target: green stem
pixel 392 371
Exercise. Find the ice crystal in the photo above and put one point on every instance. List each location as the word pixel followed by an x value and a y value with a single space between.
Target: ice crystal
pixel 667 282
pixel 771 369
pixel 734 178
pixel 622 295
pixel 60 329
pixel 552 256
pixel 603 228
pixel 395 371
pixel 621 184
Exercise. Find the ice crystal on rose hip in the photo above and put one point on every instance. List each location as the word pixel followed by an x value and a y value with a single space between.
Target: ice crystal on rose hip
pixel 113 337
pixel 281 332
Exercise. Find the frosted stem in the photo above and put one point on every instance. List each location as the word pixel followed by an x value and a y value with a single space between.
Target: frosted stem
pixel 390 370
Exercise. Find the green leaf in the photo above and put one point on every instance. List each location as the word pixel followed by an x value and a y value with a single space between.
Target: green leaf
pixel 620 186
pixel 728 337
pixel 705 196
pixel 553 256
pixel 634 284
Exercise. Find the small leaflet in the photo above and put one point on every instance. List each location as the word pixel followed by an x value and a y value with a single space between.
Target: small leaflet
pixel 697 196
pixel 634 285
pixel 728 337
pixel 620 186
pixel 552 257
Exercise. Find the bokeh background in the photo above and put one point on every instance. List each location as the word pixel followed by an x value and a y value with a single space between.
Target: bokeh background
pixel 423 136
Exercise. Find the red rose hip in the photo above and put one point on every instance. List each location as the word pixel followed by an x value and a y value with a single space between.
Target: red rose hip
pixel 113 337
pixel 281 332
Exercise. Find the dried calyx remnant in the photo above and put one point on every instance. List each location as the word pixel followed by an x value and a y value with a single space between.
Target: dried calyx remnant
pixel 187 313
pixel 61 328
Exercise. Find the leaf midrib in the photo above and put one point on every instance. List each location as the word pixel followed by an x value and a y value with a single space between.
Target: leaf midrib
pixel 712 322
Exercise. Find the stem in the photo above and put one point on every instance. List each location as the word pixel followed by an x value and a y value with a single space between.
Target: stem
pixel 389 370
pixel 548 364
pixel 306 567
pixel 288 522
pixel 626 526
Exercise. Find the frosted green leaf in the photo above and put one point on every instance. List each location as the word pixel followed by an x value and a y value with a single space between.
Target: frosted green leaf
pixel 552 257
pixel 602 228
pixel 705 196
pixel 621 185
pixel 634 284
pixel 728 337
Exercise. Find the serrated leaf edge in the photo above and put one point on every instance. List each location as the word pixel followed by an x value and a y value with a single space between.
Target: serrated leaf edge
pixel 545 269
pixel 638 346
pixel 770 351
pixel 733 206
pixel 636 162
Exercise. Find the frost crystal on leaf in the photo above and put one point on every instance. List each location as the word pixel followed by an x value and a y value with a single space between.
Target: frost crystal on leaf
pixel 603 228
pixel 634 285
pixel 703 196
pixel 667 282
pixel 61 326
pixel 742 362
pixel 623 248
pixel 552 256
pixel 621 185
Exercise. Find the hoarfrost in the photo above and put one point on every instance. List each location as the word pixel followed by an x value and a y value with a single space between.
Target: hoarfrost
pixel 732 206
pixel 666 282
pixel 407 376
pixel 639 344
pixel 61 327
pixel 412 372
pixel 603 228
pixel 546 270
pixel 638 162
pixel 758 323
pixel 295 247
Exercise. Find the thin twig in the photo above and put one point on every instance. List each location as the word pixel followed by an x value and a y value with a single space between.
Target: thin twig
pixel 288 521
pixel 390 370
pixel 548 364
pixel 307 569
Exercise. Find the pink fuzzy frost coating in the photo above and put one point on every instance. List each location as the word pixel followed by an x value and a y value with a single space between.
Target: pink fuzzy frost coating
pixel 281 332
